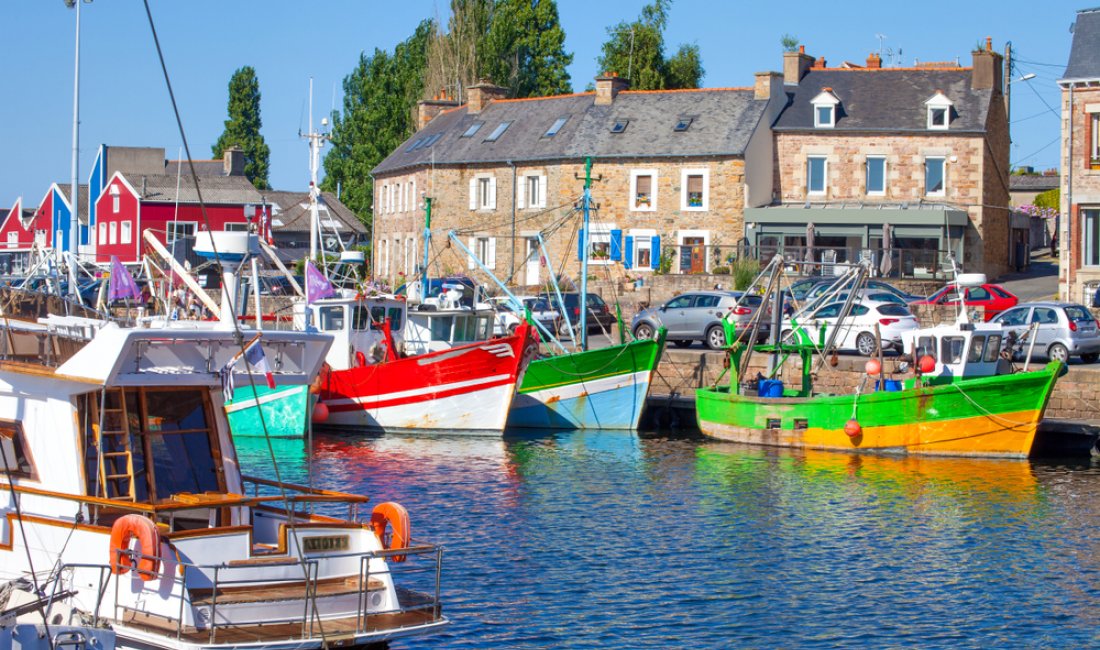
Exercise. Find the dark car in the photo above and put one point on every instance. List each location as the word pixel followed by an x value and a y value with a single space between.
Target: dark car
pixel 600 317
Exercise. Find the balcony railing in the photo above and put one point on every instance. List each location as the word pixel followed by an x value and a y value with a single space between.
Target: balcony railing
pixel 904 263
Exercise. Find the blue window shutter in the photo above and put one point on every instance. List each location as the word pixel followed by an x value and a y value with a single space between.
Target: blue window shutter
pixel 616 245
pixel 628 252
pixel 655 253
pixel 580 244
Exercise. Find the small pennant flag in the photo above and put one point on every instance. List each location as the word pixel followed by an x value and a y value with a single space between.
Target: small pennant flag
pixel 121 284
pixel 317 285
pixel 256 360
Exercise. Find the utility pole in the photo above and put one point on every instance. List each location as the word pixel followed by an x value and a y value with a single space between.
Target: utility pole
pixel 587 201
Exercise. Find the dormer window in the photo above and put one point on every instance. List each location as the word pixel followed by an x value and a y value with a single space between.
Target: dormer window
pixel 939 111
pixel 825 109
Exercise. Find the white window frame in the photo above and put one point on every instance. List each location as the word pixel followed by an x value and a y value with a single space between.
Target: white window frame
pixel 172 230
pixel 825 99
pixel 115 202
pixel 235 226
pixel 640 236
pixel 943 172
pixel 684 175
pixel 681 235
pixel 600 233
pixel 410 255
pixel 102 237
pixel 112 232
pixel 13 239
pixel 126 233
pixel 936 103
pixel 40 237
pixel 810 191
pixel 1090 236
pixel 483 192
pixel 634 174
pixel 867 175
pixel 485 247
pixel 1094 146
pixel 524 196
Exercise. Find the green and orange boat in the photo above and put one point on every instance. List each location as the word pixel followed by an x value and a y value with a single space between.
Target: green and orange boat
pixel 966 402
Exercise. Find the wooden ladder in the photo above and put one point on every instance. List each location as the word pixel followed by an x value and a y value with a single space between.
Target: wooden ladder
pixel 116 459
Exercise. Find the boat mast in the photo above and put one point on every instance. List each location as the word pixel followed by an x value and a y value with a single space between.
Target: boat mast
pixel 316 141
pixel 586 203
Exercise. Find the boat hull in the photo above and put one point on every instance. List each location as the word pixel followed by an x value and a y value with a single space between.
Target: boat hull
pixel 989 416
pixel 284 411
pixel 465 389
pixel 594 389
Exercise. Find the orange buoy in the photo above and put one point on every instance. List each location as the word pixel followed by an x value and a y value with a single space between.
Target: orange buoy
pixel 852 428
pixel 397 518
pixel 873 367
pixel 124 530
pixel 927 364
pixel 320 412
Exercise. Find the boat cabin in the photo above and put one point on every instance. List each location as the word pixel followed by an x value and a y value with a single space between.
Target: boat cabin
pixel 356 327
pixel 959 350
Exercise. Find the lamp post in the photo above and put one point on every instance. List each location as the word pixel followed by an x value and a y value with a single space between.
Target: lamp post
pixel 74 191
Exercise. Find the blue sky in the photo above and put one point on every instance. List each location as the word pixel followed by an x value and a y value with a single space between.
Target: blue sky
pixel 124 101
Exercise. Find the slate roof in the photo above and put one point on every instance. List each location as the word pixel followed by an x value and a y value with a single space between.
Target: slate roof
pixel 1084 55
pixel 292 209
pixel 215 189
pixel 1032 182
pixel 82 199
pixel 202 167
pixel 887 100
pixel 724 120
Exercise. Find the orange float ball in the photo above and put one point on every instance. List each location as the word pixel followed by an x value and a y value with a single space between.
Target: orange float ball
pixel 927 364
pixel 320 412
pixel 873 367
pixel 852 428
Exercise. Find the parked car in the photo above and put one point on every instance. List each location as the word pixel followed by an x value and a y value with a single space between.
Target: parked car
pixel 697 316
pixel 507 319
pixel 857 332
pixel 993 297
pixel 819 289
pixel 1062 330
pixel 599 317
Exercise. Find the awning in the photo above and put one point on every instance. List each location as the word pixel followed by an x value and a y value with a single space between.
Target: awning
pixel 872 216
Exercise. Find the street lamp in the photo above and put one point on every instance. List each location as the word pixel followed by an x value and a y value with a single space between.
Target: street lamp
pixel 1008 104
pixel 74 192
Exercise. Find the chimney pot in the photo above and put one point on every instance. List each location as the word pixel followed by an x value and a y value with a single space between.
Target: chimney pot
pixel 801 49
pixel 481 94
pixel 608 86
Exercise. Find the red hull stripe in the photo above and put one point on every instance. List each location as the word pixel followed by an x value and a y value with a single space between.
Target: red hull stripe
pixel 422 395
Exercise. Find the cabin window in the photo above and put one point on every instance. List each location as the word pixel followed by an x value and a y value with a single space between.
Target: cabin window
pixel 465 329
pixel 926 347
pixel 992 348
pixel 977 349
pixel 441 328
pixel 951 349
pixel 14 456
pixel 332 318
pixel 395 319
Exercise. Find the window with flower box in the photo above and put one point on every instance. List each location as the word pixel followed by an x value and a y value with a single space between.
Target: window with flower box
pixel 694 189
pixel 643 190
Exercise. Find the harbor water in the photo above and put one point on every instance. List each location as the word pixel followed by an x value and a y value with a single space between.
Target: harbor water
pixel 622 540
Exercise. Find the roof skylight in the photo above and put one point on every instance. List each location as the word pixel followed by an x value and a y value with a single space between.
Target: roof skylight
pixel 555 127
pixel 472 130
pixel 497 132
pixel 683 123
pixel 416 145
pixel 619 126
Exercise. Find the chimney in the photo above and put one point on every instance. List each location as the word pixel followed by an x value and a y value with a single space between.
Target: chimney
pixel 874 61
pixel 987 71
pixel 795 65
pixel 481 94
pixel 768 85
pixel 608 85
pixel 233 161
pixel 427 109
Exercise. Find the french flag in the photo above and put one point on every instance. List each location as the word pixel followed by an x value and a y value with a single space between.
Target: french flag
pixel 254 357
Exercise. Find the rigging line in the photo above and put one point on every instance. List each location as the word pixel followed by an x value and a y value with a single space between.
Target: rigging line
pixel 507 221
pixel 1032 154
pixel 1049 65
pixel 311 592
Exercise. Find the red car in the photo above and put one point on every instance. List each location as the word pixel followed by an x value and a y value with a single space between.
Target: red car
pixel 993 297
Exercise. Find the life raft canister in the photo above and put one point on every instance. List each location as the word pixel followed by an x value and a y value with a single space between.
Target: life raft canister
pixel 394 515
pixel 125 529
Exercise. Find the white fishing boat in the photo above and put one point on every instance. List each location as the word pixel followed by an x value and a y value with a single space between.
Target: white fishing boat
pixel 122 485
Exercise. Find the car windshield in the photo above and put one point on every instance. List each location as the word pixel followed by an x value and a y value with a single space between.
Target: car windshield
pixel 1078 314
pixel 894 309
pixel 536 304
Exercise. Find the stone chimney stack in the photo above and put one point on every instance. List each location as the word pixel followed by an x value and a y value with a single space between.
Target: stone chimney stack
pixel 607 86
pixel 874 61
pixel 427 109
pixel 795 65
pixel 481 94
pixel 768 85
pixel 987 71
pixel 233 161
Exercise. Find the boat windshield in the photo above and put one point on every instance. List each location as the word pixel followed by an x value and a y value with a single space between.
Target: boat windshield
pixel 364 316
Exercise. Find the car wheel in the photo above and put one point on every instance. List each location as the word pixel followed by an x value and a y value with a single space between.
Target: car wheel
pixel 1058 352
pixel 716 338
pixel 643 331
pixel 865 344
pixel 683 344
pixel 1090 357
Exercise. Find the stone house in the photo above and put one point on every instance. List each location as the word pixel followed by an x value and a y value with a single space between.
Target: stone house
pixel 674 172
pixel 900 166
pixel 1079 240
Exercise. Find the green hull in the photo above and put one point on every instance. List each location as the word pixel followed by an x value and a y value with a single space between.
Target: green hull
pixel 284 409
pixel 986 416
pixel 594 389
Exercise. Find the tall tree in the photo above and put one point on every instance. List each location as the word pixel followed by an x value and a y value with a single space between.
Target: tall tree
pixel 454 57
pixel 636 50
pixel 242 129
pixel 376 117
pixel 524 49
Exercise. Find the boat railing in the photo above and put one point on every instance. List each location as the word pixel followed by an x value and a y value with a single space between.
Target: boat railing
pixel 420 565
pixel 306 495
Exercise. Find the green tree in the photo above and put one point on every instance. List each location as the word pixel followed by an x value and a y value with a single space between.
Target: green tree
pixel 789 43
pixel 636 50
pixel 1049 199
pixel 454 57
pixel 242 129
pixel 376 117
pixel 524 49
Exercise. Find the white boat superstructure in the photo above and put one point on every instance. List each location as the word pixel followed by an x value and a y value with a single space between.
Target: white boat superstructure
pixel 125 491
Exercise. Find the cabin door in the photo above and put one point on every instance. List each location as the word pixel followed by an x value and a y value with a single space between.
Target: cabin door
pixel 534 263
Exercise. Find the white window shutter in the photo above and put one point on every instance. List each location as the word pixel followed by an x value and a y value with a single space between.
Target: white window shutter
pixel 472 242
pixel 542 192
pixel 493 193
pixel 521 193
pixel 492 261
pixel 473 194
pixel 415 203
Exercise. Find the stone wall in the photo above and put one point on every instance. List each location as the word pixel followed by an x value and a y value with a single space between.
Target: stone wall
pixel 1084 193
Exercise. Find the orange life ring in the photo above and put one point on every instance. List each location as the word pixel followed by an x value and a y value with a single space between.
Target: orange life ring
pixel 125 529
pixel 395 515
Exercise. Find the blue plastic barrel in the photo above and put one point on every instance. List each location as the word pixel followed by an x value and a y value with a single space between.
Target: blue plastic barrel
pixel 771 388
pixel 889 385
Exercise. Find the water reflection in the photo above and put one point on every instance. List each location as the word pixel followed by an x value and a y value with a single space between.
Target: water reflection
pixel 624 541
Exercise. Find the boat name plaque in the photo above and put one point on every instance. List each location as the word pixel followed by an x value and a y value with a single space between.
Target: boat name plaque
pixel 326 543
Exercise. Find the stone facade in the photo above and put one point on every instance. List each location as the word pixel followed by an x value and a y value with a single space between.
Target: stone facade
pixel 1080 196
